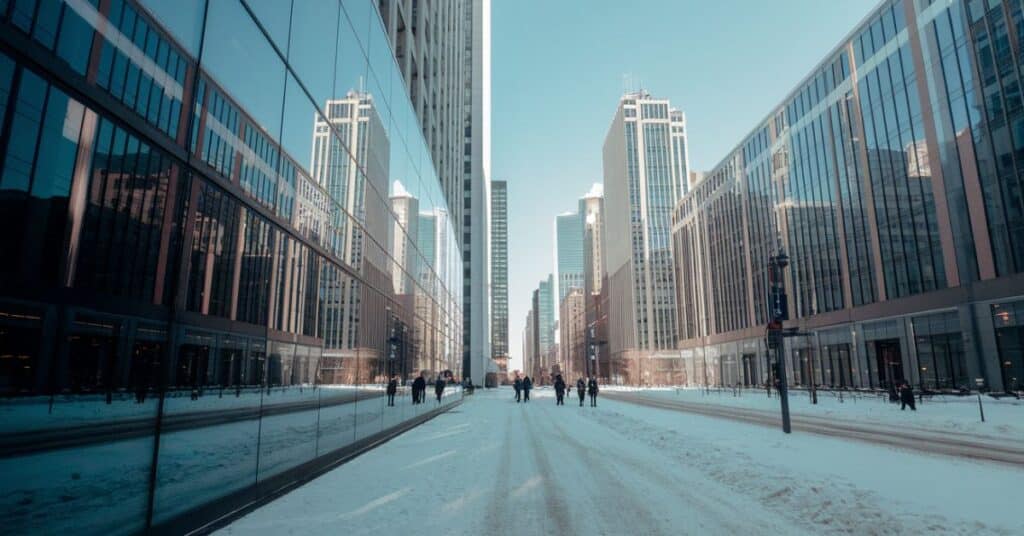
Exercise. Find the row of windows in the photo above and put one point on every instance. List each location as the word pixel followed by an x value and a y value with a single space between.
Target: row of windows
pixel 137 62
pixel 1000 146
pixel 104 211
pixel 853 160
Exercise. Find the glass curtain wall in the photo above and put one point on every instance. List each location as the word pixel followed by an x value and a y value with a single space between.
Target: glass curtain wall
pixel 215 270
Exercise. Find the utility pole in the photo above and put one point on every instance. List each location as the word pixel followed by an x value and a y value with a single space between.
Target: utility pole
pixel 776 340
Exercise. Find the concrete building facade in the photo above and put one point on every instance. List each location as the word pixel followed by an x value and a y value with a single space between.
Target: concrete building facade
pixel 572 327
pixel 499 272
pixel 595 288
pixel 645 174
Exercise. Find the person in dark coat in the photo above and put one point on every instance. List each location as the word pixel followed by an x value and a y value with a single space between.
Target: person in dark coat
pixel 439 388
pixel 419 386
pixel 527 385
pixel 559 391
pixel 592 391
pixel 518 386
pixel 907 397
pixel 894 396
pixel 392 389
pixel 581 390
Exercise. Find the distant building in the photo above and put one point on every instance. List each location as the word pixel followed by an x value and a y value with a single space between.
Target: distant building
pixel 546 319
pixel 499 272
pixel 595 288
pixel 645 174
pixel 572 323
pixel 569 252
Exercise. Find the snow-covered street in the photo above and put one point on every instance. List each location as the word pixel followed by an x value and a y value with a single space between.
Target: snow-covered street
pixel 491 466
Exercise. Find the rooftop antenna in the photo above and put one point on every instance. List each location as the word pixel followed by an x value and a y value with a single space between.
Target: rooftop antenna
pixel 627 83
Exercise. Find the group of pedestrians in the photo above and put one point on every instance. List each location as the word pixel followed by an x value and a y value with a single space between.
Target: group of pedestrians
pixel 583 388
pixel 522 387
pixel 419 389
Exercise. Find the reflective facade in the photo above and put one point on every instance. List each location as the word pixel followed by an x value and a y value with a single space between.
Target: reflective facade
pixel 443 52
pixel 540 345
pixel 645 174
pixel 569 252
pixel 223 231
pixel 595 285
pixel 892 178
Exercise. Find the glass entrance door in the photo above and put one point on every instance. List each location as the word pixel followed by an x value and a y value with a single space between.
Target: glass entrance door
pixel 890 362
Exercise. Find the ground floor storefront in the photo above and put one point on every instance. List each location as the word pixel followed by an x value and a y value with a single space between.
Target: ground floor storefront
pixel 971 347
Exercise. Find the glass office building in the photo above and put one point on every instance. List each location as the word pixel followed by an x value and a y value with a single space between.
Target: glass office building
pixel 222 231
pixel 892 177
pixel 569 252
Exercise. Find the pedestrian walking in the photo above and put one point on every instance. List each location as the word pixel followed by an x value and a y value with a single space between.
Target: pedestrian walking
pixel 518 386
pixel 559 391
pixel 419 386
pixel 527 385
pixel 439 388
pixel 581 390
pixel 592 391
pixel 392 389
pixel 907 397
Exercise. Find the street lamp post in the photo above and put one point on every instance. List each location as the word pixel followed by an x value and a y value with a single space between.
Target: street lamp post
pixel 776 340
pixel 594 363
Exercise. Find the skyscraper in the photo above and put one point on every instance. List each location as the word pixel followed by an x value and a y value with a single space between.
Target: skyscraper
pixel 530 338
pixel 595 289
pixel 443 49
pixel 499 270
pixel 475 196
pixel 592 214
pixel 569 252
pixel 545 321
pixel 645 173
pixel 434 73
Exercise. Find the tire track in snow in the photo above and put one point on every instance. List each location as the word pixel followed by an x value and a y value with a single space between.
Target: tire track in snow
pixel 496 516
pixel 557 510
pixel 616 507
pixel 810 504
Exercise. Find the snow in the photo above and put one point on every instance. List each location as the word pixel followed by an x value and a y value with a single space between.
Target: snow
pixel 492 466
pixel 1004 417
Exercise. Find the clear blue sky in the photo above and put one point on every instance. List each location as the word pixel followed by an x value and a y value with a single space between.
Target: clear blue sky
pixel 557 73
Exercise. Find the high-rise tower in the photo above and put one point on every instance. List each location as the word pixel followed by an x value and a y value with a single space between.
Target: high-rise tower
pixel 569 252
pixel 645 173
pixel 499 271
